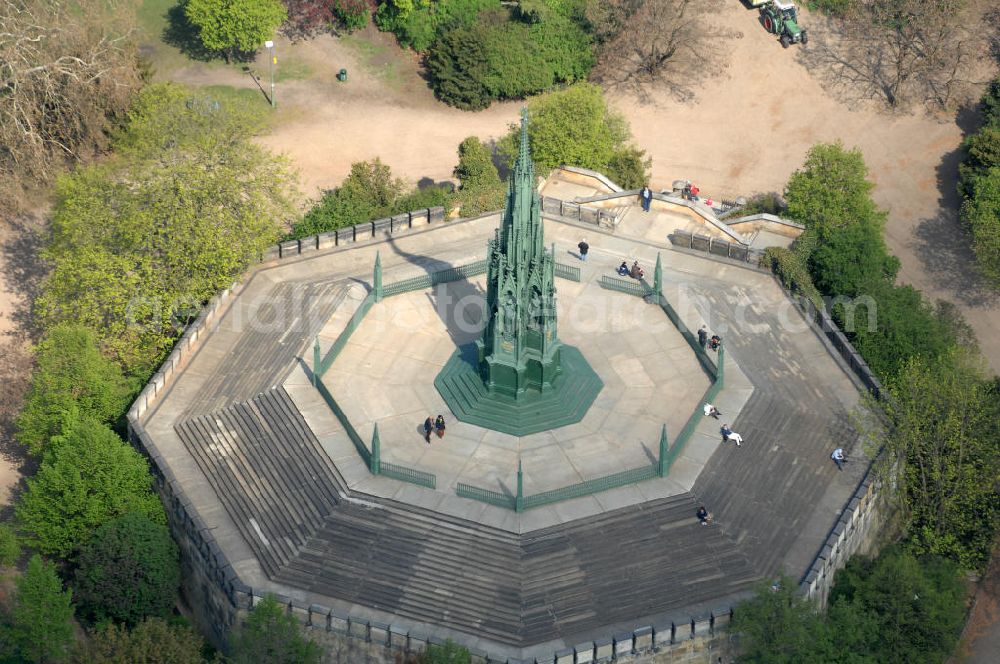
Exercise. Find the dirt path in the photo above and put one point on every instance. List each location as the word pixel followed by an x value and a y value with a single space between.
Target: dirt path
pixel 748 131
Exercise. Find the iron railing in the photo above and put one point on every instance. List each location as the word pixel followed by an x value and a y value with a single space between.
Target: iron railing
pixel 497 498
pixel 628 286
pixel 405 474
pixel 435 278
pixel 569 272
pixel 588 487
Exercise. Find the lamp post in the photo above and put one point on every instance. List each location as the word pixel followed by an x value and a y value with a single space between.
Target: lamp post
pixel 272 61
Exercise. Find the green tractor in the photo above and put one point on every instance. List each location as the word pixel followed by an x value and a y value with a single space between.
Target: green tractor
pixel 782 18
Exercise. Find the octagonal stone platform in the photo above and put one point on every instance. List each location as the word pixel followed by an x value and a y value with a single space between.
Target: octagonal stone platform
pixel 258 457
pixel 386 374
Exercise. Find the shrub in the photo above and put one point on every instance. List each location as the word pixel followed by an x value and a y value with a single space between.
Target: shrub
pixel 129 570
pixel 272 635
pixel 447 653
pixel 88 477
pixel 416 22
pixel 72 380
pixel 153 641
pixel 481 189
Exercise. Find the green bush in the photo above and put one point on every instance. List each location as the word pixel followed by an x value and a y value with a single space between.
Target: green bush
pixel 71 380
pixel 129 570
pixel 982 153
pixel 270 634
pixel 846 261
pixel 447 653
pixel 88 477
pixel 153 641
pixel 912 609
pixel 352 14
pixel 497 57
pixel 576 127
pixel 416 22
pixel 905 325
pixel 481 189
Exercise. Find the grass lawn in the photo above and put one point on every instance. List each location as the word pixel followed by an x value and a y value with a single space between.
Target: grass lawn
pixel 378 59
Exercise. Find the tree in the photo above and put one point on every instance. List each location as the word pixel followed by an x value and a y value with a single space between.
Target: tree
pixel 68 73
pixel 271 634
pixel 851 259
pixel 10 546
pixel 88 477
pixel 42 628
pixel 153 641
pixel 650 43
pixel 913 608
pixel 235 26
pixel 779 626
pixel 903 52
pixel 481 189
pixel 575 127
pixel 129 570
pixel 943 447
pixel 832 190
pixel 982 154
pixel 981 215
pixel 141 242
pixel 72 380
pixel 505 55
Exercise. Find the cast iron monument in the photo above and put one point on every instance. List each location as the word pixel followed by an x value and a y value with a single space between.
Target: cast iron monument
pixel 518 377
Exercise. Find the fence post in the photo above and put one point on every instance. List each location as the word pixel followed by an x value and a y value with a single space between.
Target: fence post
pixel 377 281
pixel 317 361
pixel 720 371
pixel 376 461
pixel 661 469
pixel 658 277
pixel 519 500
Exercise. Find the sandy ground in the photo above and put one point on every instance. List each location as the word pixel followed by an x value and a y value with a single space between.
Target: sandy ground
pixel 11 374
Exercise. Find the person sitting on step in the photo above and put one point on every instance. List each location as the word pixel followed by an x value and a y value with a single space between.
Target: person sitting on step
pixel 623 269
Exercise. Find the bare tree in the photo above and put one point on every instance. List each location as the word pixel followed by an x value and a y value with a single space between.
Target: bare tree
pixel 67 72
pixel 903 52
pixel 642 43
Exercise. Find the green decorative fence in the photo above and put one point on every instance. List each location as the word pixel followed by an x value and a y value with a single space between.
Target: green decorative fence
pixel 410 475
pixel 588 487
pixel 628 286
pixel 435 278
pixel 352 433
pixel 497 498
pixel 343 337
pixel 570 272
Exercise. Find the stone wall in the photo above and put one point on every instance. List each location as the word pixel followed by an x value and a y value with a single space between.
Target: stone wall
pixel 349 639
pixel 715 246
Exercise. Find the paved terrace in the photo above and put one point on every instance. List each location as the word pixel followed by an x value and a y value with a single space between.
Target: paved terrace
pixel 234 429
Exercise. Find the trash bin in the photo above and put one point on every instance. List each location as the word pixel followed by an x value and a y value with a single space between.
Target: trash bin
pixel 342 75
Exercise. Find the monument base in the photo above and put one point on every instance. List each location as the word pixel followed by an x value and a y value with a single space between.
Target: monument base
pixel 470 400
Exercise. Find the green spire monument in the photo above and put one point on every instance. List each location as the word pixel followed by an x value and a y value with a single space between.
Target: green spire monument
pixel 519 378
pixel 519 349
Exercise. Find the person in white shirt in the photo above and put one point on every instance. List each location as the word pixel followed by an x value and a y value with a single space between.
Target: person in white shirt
pixel 712 411
pixel 839 457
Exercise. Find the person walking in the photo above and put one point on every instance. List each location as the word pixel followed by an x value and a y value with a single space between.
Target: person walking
pixel 702 337
pixel 647 197
pixel 839 458
pixel 584 248
pixel 439 426
pixel 428 427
